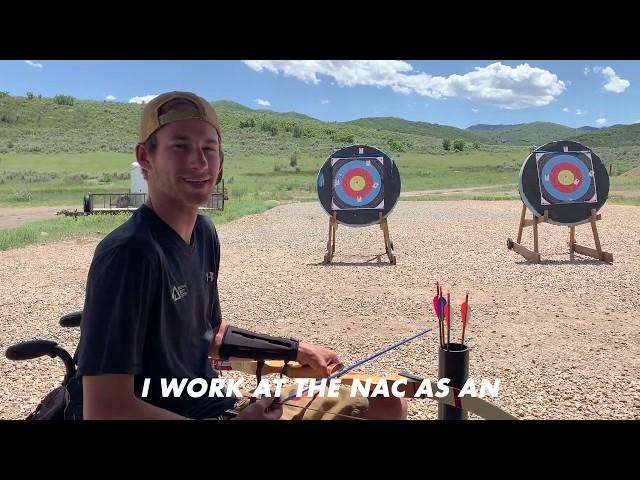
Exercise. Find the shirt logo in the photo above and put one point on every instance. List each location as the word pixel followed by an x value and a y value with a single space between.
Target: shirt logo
pixel 179 292
pixel 209 277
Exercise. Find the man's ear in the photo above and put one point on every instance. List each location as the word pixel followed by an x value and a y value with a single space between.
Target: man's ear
pixel 142 157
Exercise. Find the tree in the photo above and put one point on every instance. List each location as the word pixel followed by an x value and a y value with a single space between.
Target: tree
pixel 294 159
pixel 446 144
pixel 64 99
pixel 458 144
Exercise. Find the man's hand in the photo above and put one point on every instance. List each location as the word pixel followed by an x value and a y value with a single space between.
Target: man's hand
pixel 263 409
pixel 317 357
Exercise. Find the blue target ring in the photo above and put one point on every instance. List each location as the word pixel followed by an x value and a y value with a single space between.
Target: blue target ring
pixel 586 179
pixel 357 179
pixel 373 189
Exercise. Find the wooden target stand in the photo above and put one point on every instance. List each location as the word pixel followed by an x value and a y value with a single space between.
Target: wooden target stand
pixel 331 242
pixel 534 255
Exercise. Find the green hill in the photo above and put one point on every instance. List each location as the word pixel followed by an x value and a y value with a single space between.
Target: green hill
pixel 228 105
pixel 64 124
pixel 47 125
pixel 433 130
pixel 619 135
pixel 535 133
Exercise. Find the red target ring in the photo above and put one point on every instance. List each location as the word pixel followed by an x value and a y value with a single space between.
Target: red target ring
pixel 357 177
pixel 562 170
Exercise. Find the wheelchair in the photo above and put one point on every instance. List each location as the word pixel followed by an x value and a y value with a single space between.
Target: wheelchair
pixel 65 401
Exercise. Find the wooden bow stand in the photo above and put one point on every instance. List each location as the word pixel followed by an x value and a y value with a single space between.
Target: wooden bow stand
pixel 331 243
pixel 534 255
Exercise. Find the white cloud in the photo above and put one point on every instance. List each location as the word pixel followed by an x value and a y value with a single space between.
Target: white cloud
pixel 264 103
pixel 34 65
pixel 324 102
pixel 578 112
pixel 110 98
pixel 145 99
pixel 565 109
pixel 475 110
pixel 613 82
pixel 601 121
pixel 586 70
pixel 495 84
pixel 568 82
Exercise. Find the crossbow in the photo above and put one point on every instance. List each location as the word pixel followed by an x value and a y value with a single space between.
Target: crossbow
pixel 475 405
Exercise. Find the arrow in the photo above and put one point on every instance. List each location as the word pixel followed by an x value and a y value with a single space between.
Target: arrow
pixel 442 304
pixel 354 365
pixel 448 321
pixel 436 309
pixel 464 314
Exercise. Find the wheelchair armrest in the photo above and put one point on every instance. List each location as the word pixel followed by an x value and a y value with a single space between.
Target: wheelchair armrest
pixel 31 349
pixel 71 319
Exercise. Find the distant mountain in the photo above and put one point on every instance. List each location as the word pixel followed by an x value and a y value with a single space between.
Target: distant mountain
pixel 616 136
pixel 482 127
pixel 535 133
pixel 230 106
pixel 61 125
pixel 434 130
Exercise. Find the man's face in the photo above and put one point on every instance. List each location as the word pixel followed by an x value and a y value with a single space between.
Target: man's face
pixel 186 162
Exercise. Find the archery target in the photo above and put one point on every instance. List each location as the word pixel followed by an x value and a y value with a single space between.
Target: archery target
pixel 357 183
pixel 566 177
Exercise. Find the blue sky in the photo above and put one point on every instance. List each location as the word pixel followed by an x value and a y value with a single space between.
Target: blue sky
pixel 458 93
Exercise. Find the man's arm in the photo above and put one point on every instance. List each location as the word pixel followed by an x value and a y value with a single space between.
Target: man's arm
pixel 218 333
pixel 111 397
pixel 318 357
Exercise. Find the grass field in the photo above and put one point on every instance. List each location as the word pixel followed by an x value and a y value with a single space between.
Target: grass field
pixel 65 228
pixel 64 179
pixel 254 184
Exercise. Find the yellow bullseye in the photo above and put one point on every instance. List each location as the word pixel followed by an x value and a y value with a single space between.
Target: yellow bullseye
pixel 566 177
pixel 357 183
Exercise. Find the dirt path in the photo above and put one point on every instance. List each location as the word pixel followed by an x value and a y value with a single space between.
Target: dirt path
pixel 12 217
pixel 453 191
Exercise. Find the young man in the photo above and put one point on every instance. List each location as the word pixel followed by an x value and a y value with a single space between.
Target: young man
pixel 152 309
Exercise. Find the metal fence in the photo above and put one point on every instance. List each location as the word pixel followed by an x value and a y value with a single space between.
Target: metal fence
pixel 116 202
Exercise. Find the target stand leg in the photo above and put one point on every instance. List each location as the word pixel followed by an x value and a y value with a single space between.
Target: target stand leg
pixel 532 256
pixel 331 243
pixel 583 250
pixel 388 244
pixel 572 241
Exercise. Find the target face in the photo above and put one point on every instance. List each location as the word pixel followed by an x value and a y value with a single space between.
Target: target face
pixel 357 183
pixel 566 177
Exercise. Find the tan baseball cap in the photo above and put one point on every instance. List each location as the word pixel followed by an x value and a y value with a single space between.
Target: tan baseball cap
pixel 151 120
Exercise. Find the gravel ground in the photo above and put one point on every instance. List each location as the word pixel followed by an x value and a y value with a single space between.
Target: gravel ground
pixel 562 336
